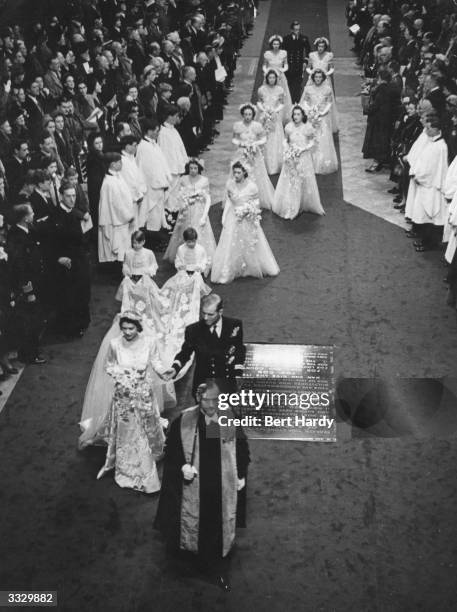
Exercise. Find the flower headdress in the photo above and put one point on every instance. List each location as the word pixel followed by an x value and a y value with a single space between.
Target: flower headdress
pixel 133 315
pixel 321 39
pixel 275 37
pixel 246 105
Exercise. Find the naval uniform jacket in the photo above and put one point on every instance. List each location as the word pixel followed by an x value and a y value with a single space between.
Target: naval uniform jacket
pixel 215 357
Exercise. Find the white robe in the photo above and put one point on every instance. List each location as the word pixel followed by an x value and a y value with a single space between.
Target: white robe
pixel 428 165
pixel 174 150
pixel 154 166
pixel 116 218
pixel 136 182
pixel 450 189
pixel 193 260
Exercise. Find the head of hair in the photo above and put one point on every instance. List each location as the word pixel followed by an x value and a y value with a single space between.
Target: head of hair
pixel 272 40
pixel 271 71
pixel 41 176
pixel 250 107
pixel 112 158
pixel 239 166
pixel 212 300
pixel 127 319
pixel 138 236
pixel 90 139
pixel 190 234
pixel 18 142
pixel 130 139
pixel 21 211
pixel 318 71
pixel 303 114
pixel 171 110
pixel 294 23
pixel 193 160
pixel 149 125
pixel 70 171
pixel 65 185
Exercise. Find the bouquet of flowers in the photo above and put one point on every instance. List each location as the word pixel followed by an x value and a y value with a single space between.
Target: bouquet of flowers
pixel 249 211
pixel 292 154
pixel 249 151
pixel 189 200
pixel 314 116
pixel 269 120
pixel 131 383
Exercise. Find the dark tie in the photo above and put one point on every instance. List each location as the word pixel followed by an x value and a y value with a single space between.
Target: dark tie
pixel 213 331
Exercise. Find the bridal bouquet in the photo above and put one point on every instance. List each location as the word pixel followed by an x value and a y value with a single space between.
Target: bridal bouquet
pixel 129 382
pixel 249 212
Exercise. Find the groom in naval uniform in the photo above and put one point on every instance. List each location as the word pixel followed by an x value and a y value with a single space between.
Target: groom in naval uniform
pixel 217 342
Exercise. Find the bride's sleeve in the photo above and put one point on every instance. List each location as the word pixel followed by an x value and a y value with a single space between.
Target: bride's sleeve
pixel 154 358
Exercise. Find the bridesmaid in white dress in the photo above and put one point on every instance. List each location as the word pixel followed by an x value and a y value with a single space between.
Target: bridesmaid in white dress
pixel 317 99
pixel 322 59
pixel 193 202
pixel 243 249
pixel 271 103
pixel 249 137
pixel 297 190
pixel 276 58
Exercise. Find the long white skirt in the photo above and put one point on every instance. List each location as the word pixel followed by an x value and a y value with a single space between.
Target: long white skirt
pixel 297 190
pixel 243 250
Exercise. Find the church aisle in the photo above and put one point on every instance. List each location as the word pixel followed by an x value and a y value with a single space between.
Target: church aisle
pixel 366 523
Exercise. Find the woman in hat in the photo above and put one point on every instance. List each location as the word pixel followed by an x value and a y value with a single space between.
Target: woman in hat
pixel 276 58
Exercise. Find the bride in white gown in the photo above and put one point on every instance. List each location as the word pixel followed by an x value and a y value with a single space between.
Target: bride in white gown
pixel 317 99
pixel 243 249
pixel 297 190
pixel 276 58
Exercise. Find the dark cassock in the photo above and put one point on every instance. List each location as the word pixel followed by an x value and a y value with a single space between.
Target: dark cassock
pixel 72 284
pixel 201 516
pixel 219 350
pixel 298 49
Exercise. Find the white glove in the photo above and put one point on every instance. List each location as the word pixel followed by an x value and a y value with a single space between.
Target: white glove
pixel 241 484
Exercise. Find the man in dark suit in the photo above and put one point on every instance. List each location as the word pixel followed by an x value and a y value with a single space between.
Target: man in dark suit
pixel 16 167
pixel 298 50
pixel 217 343
pixel 26 265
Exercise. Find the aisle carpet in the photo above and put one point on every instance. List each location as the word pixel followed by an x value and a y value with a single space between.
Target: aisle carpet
pixel 367 523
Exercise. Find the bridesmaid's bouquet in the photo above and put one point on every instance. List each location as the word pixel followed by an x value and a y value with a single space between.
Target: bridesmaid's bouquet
pixel 249 212
pixel 190 200
pixel 249 151
pixel 269 120
pixel 314 116
pixel 292 154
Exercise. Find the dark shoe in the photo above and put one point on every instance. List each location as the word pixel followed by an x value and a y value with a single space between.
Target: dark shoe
pixel 398 199
pixel 10 369
pixel 417 243
pixel 223 583
pixel 411 234
pixel 393 191
pixel 37 361
pixel 400 207
pixel 420 248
